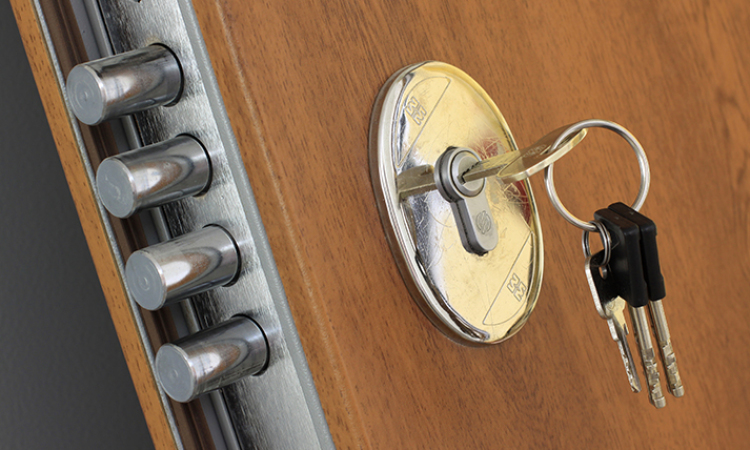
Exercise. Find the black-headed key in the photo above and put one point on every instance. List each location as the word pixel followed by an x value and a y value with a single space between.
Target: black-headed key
pixel 656 292
pixel 625 264
pixel 649 251
pixel 626 268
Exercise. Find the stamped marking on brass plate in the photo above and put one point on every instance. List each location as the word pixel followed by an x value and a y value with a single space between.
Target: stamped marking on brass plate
pixel 420 103
pixel 502 310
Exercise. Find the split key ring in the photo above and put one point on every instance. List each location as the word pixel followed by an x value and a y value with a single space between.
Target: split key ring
pixel 625 134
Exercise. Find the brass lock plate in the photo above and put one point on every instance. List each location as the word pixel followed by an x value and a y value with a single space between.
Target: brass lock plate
pixel 421 111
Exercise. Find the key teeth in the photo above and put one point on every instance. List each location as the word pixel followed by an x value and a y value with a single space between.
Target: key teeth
pixel 678 391
pixel 633 378
pixel 659 403
pixel 655 393
pixel 674 381
pixel 675 384
pixel 627 359
pixel 648 356
pixel 630 370
pixel 659 318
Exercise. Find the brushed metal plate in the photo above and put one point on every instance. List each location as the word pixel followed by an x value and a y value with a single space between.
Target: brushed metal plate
pixel 279 408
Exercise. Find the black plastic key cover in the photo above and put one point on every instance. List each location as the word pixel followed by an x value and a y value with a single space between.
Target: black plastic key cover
pixel 625 264
pixel 649 251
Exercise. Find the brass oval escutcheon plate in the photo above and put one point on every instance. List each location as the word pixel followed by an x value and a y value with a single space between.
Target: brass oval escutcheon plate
pixel 420 112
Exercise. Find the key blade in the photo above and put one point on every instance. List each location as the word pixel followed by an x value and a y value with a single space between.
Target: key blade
pixel 516 166
pixel 656 292
pixel 610 307
pixel 509 167
pixel 619 329
pixel 674 381
pixel 416 181
pixel 648 356
pixel 629 363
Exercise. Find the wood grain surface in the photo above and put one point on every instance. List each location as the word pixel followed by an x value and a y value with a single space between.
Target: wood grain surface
pixel 99 143
pixel 299 81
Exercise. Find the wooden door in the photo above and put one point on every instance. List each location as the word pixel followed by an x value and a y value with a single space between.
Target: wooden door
pixel 299 81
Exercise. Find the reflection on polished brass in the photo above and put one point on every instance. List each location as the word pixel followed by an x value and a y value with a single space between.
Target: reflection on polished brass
pixel 422 111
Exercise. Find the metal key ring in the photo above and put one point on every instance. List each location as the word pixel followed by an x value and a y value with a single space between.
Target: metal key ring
pixel 639 153
pixel 606 242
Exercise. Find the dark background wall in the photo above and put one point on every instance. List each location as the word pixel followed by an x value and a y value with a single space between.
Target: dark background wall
pixel 63 381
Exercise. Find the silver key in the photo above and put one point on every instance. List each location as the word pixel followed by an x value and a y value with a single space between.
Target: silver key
pixel 659 319
pixel 648 356
pixel 611 308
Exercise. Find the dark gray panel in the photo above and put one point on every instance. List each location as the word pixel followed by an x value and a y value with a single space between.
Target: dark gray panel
pixel 64 381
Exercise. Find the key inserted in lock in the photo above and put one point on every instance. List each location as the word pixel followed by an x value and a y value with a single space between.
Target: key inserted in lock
pixel 459 176
pixel 455 203
pixel 474 221
pixel 433 111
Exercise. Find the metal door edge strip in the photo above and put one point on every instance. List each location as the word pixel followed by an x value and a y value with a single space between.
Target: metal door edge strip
pixel 259 291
